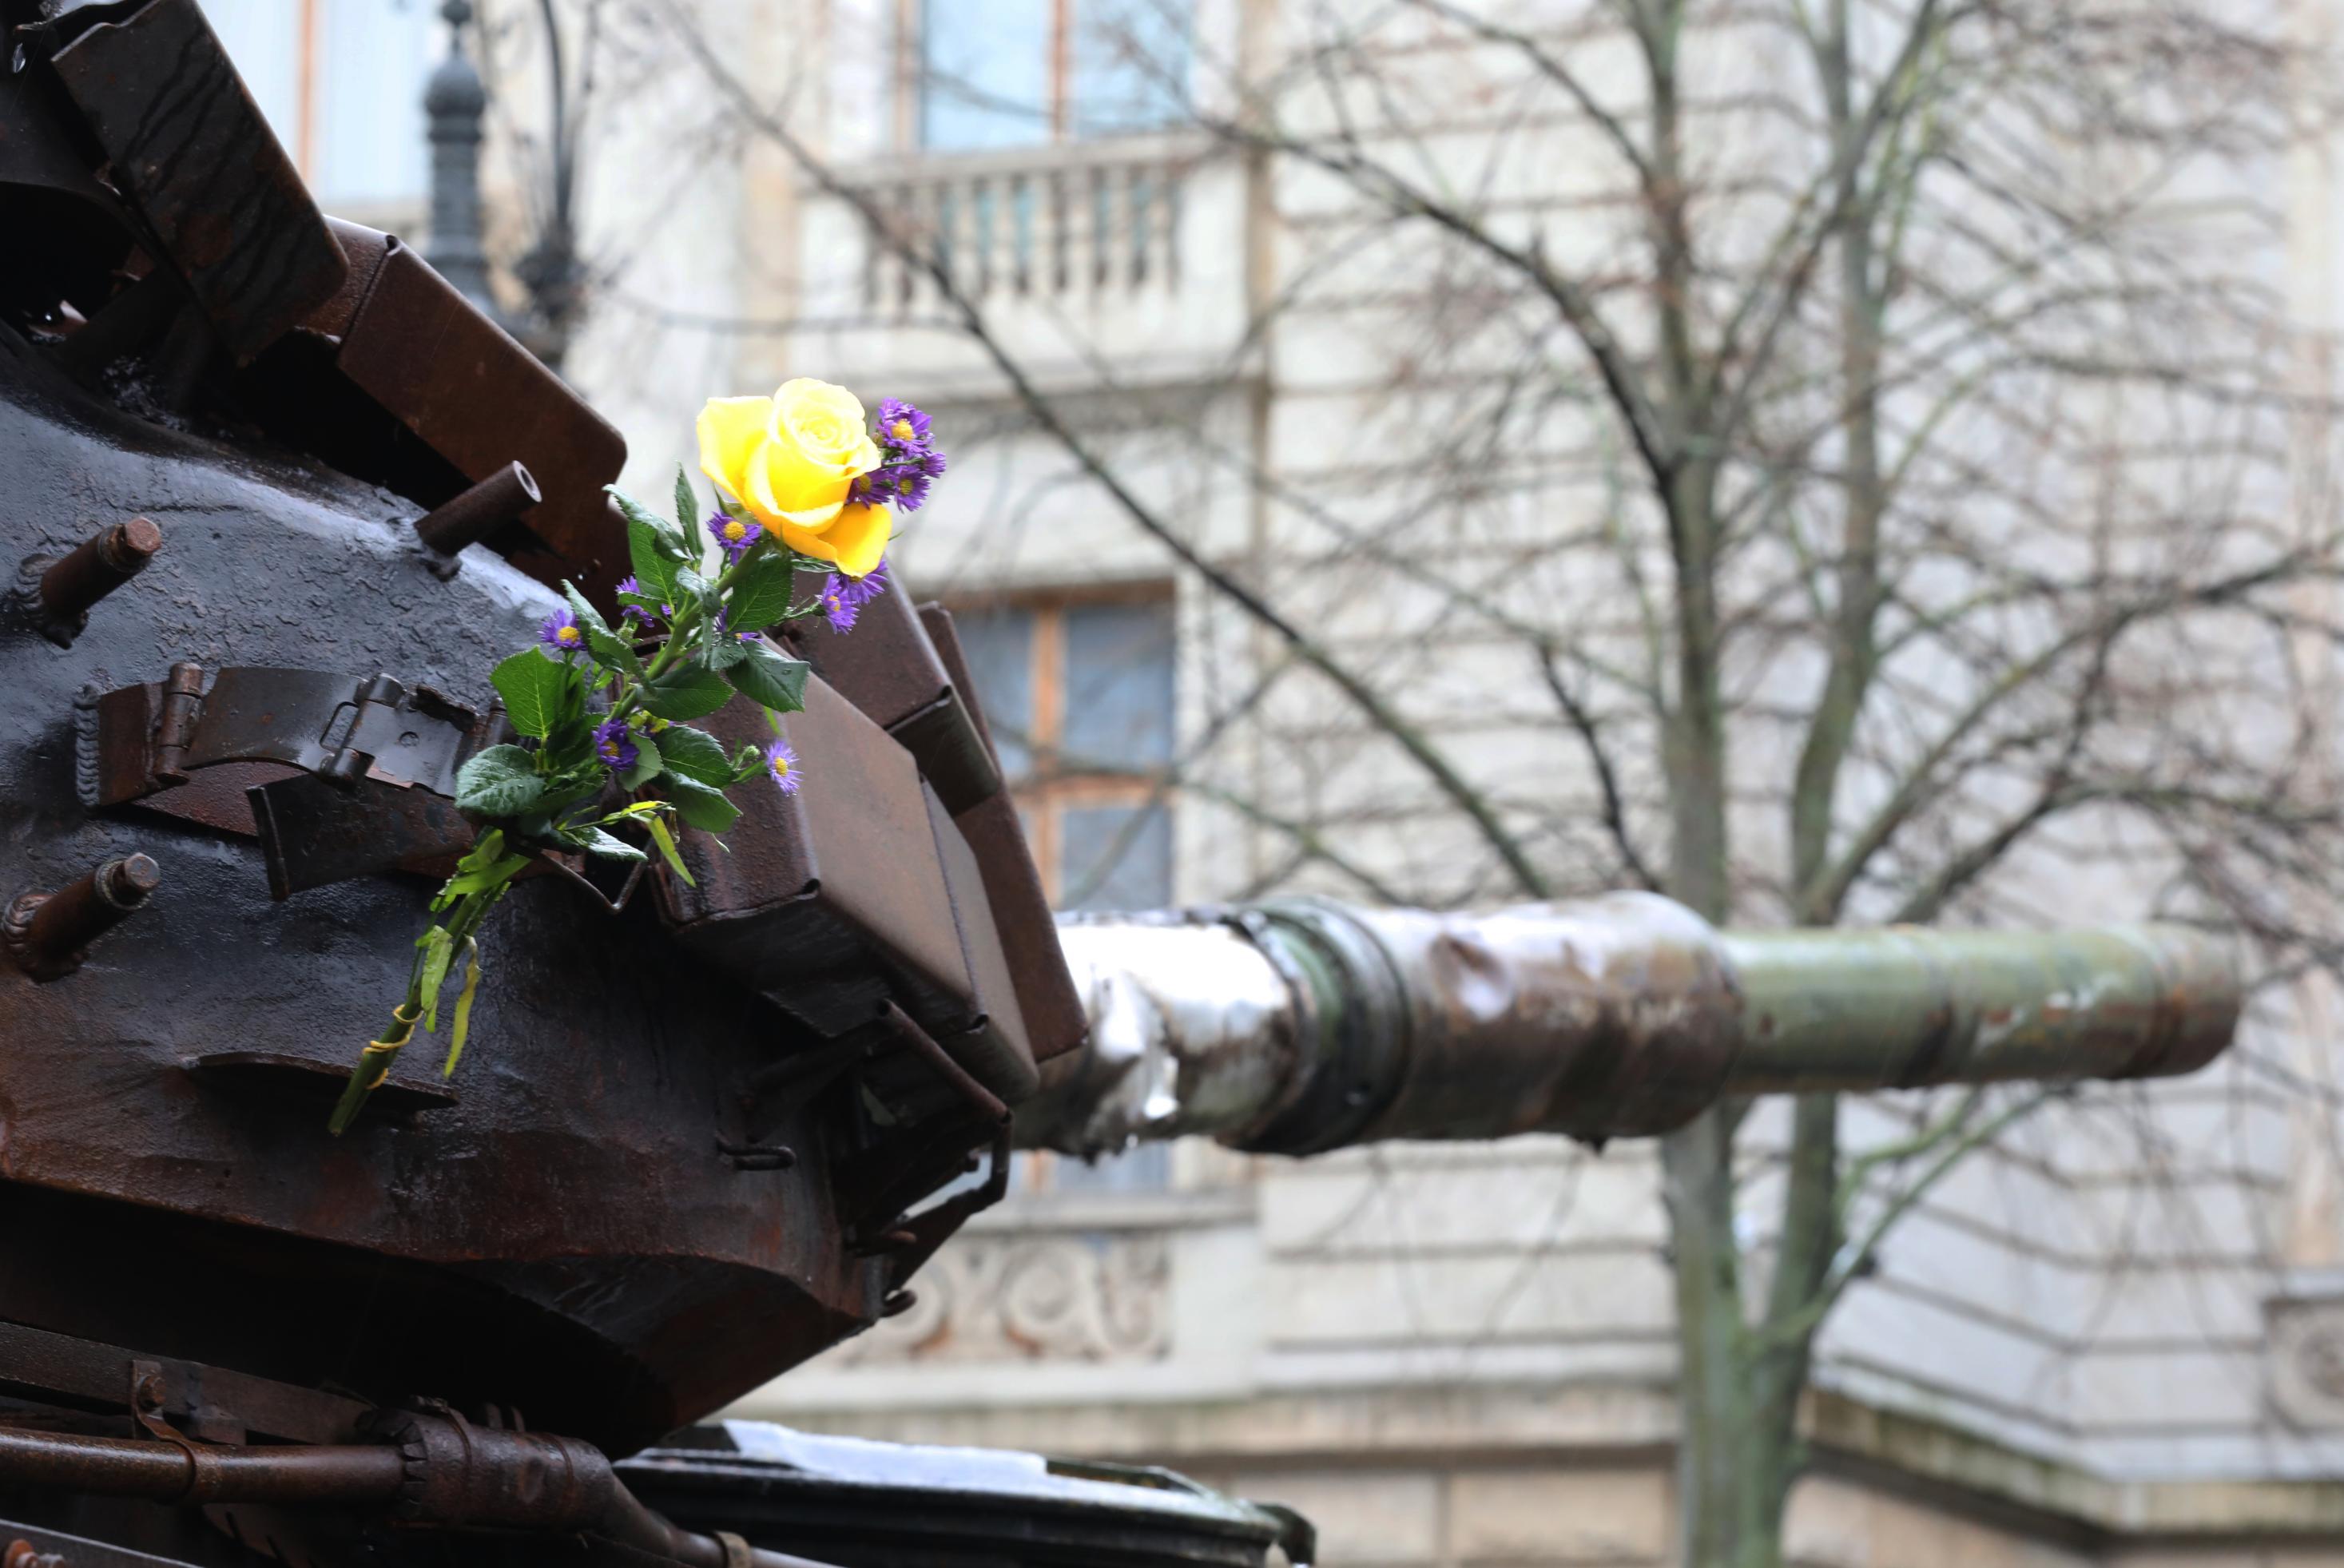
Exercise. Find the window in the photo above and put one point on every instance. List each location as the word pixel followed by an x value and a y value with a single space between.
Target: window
pixel 1079 697
pixel 341 83
pixel 1015 73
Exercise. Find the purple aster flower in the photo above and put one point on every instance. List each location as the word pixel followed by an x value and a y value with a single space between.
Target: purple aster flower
pixel 907 486
pixel 783 763
pixel 560 631
pixel 634 611
pixel 733 534
pixel 861 590
pixel 614 745
pixel 842 597
pixel 835 609
pixel 902 485
pixel 902 428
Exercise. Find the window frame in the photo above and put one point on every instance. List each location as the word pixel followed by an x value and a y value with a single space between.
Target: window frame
pixel 1049 788
pixel 910 67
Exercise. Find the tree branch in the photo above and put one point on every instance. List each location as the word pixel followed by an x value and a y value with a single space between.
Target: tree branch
pixel 1409 737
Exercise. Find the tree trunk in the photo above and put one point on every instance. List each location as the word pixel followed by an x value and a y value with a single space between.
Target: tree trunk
pixel 1719 1522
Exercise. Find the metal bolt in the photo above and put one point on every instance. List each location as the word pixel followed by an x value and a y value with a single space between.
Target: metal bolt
pixel 480 511
pixel 47 933
pixel 63 591
pixel 757 1156
pixel 894 1240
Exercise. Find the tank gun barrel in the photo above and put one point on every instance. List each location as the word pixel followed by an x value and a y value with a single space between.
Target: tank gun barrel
pixel 1303 1026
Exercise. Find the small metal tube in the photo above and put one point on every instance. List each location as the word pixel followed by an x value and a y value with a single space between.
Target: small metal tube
pixel 435 1472
pixel 169 1472
pixel 96 568
pixel 48 932
pixel 479 511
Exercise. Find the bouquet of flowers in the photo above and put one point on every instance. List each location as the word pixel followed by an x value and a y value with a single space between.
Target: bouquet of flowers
pixel 805 483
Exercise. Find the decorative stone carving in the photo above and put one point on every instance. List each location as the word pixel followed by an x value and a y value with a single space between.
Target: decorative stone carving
pixel 2306 1359
pixel 1037 1298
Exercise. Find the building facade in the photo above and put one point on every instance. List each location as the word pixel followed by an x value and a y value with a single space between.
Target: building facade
pixel 1446 1356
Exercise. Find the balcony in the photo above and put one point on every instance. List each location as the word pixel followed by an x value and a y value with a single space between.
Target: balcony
pixel 1120 260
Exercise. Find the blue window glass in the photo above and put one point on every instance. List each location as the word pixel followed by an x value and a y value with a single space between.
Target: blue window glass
pixel 1131 64
pixel 1080 701
pixel 1118 688
pixel 985 73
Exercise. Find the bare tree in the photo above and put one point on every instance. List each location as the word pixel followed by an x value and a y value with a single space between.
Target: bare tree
pixel 1928 516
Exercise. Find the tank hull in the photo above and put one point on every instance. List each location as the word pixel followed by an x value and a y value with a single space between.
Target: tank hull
pixel 558 1228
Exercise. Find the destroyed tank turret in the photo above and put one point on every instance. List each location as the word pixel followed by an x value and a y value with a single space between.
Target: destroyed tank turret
pixel 278 498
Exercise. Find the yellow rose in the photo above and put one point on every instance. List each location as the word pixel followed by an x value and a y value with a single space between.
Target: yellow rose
pixel 788 460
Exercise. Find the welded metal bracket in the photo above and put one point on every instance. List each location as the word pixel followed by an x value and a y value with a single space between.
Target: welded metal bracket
pixel 377 763
pixel 342 728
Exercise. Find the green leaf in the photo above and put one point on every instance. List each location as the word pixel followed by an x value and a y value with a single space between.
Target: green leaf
pixel 695 754
pixel 689 690
pixel 439 950
pixel 669 545
pixel 594 841
pixel 647 762
pixel 666 842
pixel 704 808
pixel 653 555
pixel 461 1024
pixel 566 790
pixel 760 595
pixel 530 684
pixel 723 650
pixel 768 679
pixel 588 616
pixel 613 652
pixel 486 852
pixel 500 782
pixel 687 503
pixel 569 752
pixel 481 878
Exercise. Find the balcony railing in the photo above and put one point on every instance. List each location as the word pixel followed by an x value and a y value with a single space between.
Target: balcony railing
pixel 1099 218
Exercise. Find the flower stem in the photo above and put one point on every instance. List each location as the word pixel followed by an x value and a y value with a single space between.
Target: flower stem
pixel 378 1056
